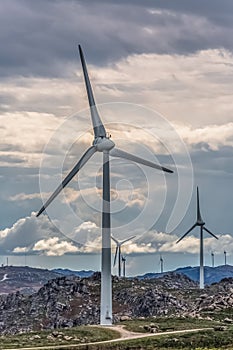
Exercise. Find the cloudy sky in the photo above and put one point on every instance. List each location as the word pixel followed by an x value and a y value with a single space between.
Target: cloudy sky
pixel 163 79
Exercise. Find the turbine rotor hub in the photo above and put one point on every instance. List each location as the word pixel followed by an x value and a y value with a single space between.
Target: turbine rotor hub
pixel 200 223
pixel 103 144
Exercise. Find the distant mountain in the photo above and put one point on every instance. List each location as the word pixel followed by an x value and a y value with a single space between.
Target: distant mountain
pixel 29 280
pixel 212 274
pixel 25 279
pixel 67 272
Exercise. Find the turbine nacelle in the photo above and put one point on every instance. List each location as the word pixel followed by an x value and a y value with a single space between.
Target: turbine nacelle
pixel 200 222
pixel 103 144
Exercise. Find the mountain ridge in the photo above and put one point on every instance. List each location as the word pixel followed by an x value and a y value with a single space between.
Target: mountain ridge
pixel 68 272
pixel 29 280
pixel 212 274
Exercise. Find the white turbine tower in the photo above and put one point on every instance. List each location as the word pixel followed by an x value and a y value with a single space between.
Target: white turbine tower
pixel 161 263
pixel 225 257
pixel 212 258
pixel 101 143
pixel 118 251
pixel 123 258
pixel 201 224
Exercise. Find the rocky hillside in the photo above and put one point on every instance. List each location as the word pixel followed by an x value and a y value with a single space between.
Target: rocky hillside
pixel 25 279
pixel 70 301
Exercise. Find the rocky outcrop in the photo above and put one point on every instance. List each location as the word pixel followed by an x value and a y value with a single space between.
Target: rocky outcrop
pixel 151 303
pixel 155 297
pixel 71 301
pixel 63 302
pixel 217 297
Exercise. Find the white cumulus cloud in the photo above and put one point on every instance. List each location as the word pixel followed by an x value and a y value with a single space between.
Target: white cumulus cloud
pixel 54 247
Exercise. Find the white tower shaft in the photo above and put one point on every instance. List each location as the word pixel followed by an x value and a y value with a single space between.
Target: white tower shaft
pixel 119 261
pixel 106 278
pixel 201 259
pixel 124 267
pixel 212 255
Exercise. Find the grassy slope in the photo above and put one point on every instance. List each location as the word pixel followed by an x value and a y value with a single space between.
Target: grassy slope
pixel 201 340
pixel 82 334
pixel 205 339
pixel 168 324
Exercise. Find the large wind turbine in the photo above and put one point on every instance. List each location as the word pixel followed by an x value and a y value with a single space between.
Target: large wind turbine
pixel 201 224
pixel 118 251
pixel 101 143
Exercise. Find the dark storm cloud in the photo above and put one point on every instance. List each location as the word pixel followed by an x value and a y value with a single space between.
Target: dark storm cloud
pixel 213 9
pixel 213 170
pixel 6 99
pixel 11 159
pixel 213 173
pixel 40 38
pixel 217 11
pixel 16 179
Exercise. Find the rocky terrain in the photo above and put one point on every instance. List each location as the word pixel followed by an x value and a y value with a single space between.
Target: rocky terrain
pixel 70 300
pixel 25 279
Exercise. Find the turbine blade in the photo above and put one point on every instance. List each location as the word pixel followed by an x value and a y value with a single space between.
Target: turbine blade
pixel 115 257
pixel 180 239
pixel 87 155
pixel 206 229
pixel 115 240
pixel 126 240
pixel 116 152
pixel 98 127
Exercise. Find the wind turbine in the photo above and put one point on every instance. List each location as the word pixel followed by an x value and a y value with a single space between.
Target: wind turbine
pixel 161 263
pixel 101 143
pixel 212 258
pixel 123 258
pixel 225 257
pixel 118 251
pixel 199 222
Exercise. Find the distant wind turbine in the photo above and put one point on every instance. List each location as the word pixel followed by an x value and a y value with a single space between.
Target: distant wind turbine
pixel 101 143
pixel 225 257
pixel 199 222
pixel 123 259
pixel 212 258
pixel 161 263
pixel 118 252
